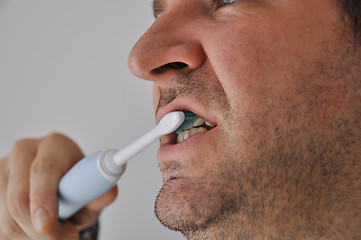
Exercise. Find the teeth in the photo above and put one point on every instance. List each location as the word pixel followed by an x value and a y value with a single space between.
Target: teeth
pixel 199 122
pixel 183 135
pixel 193 131
pixel 209 124
pixel 180 137
pixel 186 134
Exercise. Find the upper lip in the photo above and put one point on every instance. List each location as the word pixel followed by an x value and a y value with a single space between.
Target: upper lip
pixel 186 105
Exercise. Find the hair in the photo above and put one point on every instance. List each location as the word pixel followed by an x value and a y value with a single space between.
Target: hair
pixel 352 11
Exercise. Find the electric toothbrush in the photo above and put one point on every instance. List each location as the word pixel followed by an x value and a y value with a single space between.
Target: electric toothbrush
pixel 96 174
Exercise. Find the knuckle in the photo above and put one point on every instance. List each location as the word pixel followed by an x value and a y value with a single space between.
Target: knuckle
pixel 23 150
pixel 41 164
pixel 65 147
pixel 55 136
pixel 22 145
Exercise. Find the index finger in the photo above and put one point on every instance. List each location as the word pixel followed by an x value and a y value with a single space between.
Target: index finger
pixel 57 155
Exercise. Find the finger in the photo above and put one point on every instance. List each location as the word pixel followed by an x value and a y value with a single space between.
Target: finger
pixel 64 230
pixel 9 229
pixel 48 167
pixel 17 197
pixel 88 215
pixel 17 193
pixel 2 236
pixel 44 176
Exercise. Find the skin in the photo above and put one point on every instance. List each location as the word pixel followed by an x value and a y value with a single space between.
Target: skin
pixel 281 79
pixel 29 178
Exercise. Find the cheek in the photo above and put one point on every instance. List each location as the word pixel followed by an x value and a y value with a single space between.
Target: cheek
pixel 241 67
pixel 262 57
pixel 255 63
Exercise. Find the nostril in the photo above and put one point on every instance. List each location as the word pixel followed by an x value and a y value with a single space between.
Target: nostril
pixel 168 66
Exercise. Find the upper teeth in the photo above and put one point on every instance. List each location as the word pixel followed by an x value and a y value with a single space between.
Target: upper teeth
pixel 199 122
pixel 183 135
pixel 209 124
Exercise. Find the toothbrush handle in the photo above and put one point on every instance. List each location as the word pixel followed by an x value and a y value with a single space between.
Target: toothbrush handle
pixel 83 183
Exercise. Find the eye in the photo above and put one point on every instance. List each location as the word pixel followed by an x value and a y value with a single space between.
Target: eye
pixel 221 3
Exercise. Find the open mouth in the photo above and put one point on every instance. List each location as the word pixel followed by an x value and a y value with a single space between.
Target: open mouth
pixel 192 125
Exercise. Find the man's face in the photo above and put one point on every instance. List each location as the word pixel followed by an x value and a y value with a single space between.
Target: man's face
pixel 277 79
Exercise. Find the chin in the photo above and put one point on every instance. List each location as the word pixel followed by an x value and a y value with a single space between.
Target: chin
pixel 185 204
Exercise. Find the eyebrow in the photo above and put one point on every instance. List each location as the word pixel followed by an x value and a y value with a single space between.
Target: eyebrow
pixel 158 7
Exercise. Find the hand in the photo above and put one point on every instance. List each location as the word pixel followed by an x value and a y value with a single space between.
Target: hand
pixel 29 179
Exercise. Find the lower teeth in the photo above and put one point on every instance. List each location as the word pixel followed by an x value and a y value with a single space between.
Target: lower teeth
pixel 183 135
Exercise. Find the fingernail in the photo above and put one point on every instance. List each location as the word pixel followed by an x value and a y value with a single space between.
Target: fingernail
pixel 41 218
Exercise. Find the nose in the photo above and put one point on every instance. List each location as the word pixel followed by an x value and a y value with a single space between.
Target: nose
pixel 170 46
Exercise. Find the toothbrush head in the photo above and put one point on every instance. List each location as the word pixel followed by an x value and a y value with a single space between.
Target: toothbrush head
pixel 171 122
pixel 188 121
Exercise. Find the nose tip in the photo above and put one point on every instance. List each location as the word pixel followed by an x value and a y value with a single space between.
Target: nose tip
pixel 137 62
pixel 165 49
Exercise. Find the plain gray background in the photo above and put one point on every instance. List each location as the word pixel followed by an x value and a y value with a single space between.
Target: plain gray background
pixel 63 67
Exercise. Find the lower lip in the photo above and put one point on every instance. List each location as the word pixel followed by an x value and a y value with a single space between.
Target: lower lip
pixel 169 149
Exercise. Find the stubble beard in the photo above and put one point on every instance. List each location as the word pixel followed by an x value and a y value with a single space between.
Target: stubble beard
pixel 281 180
